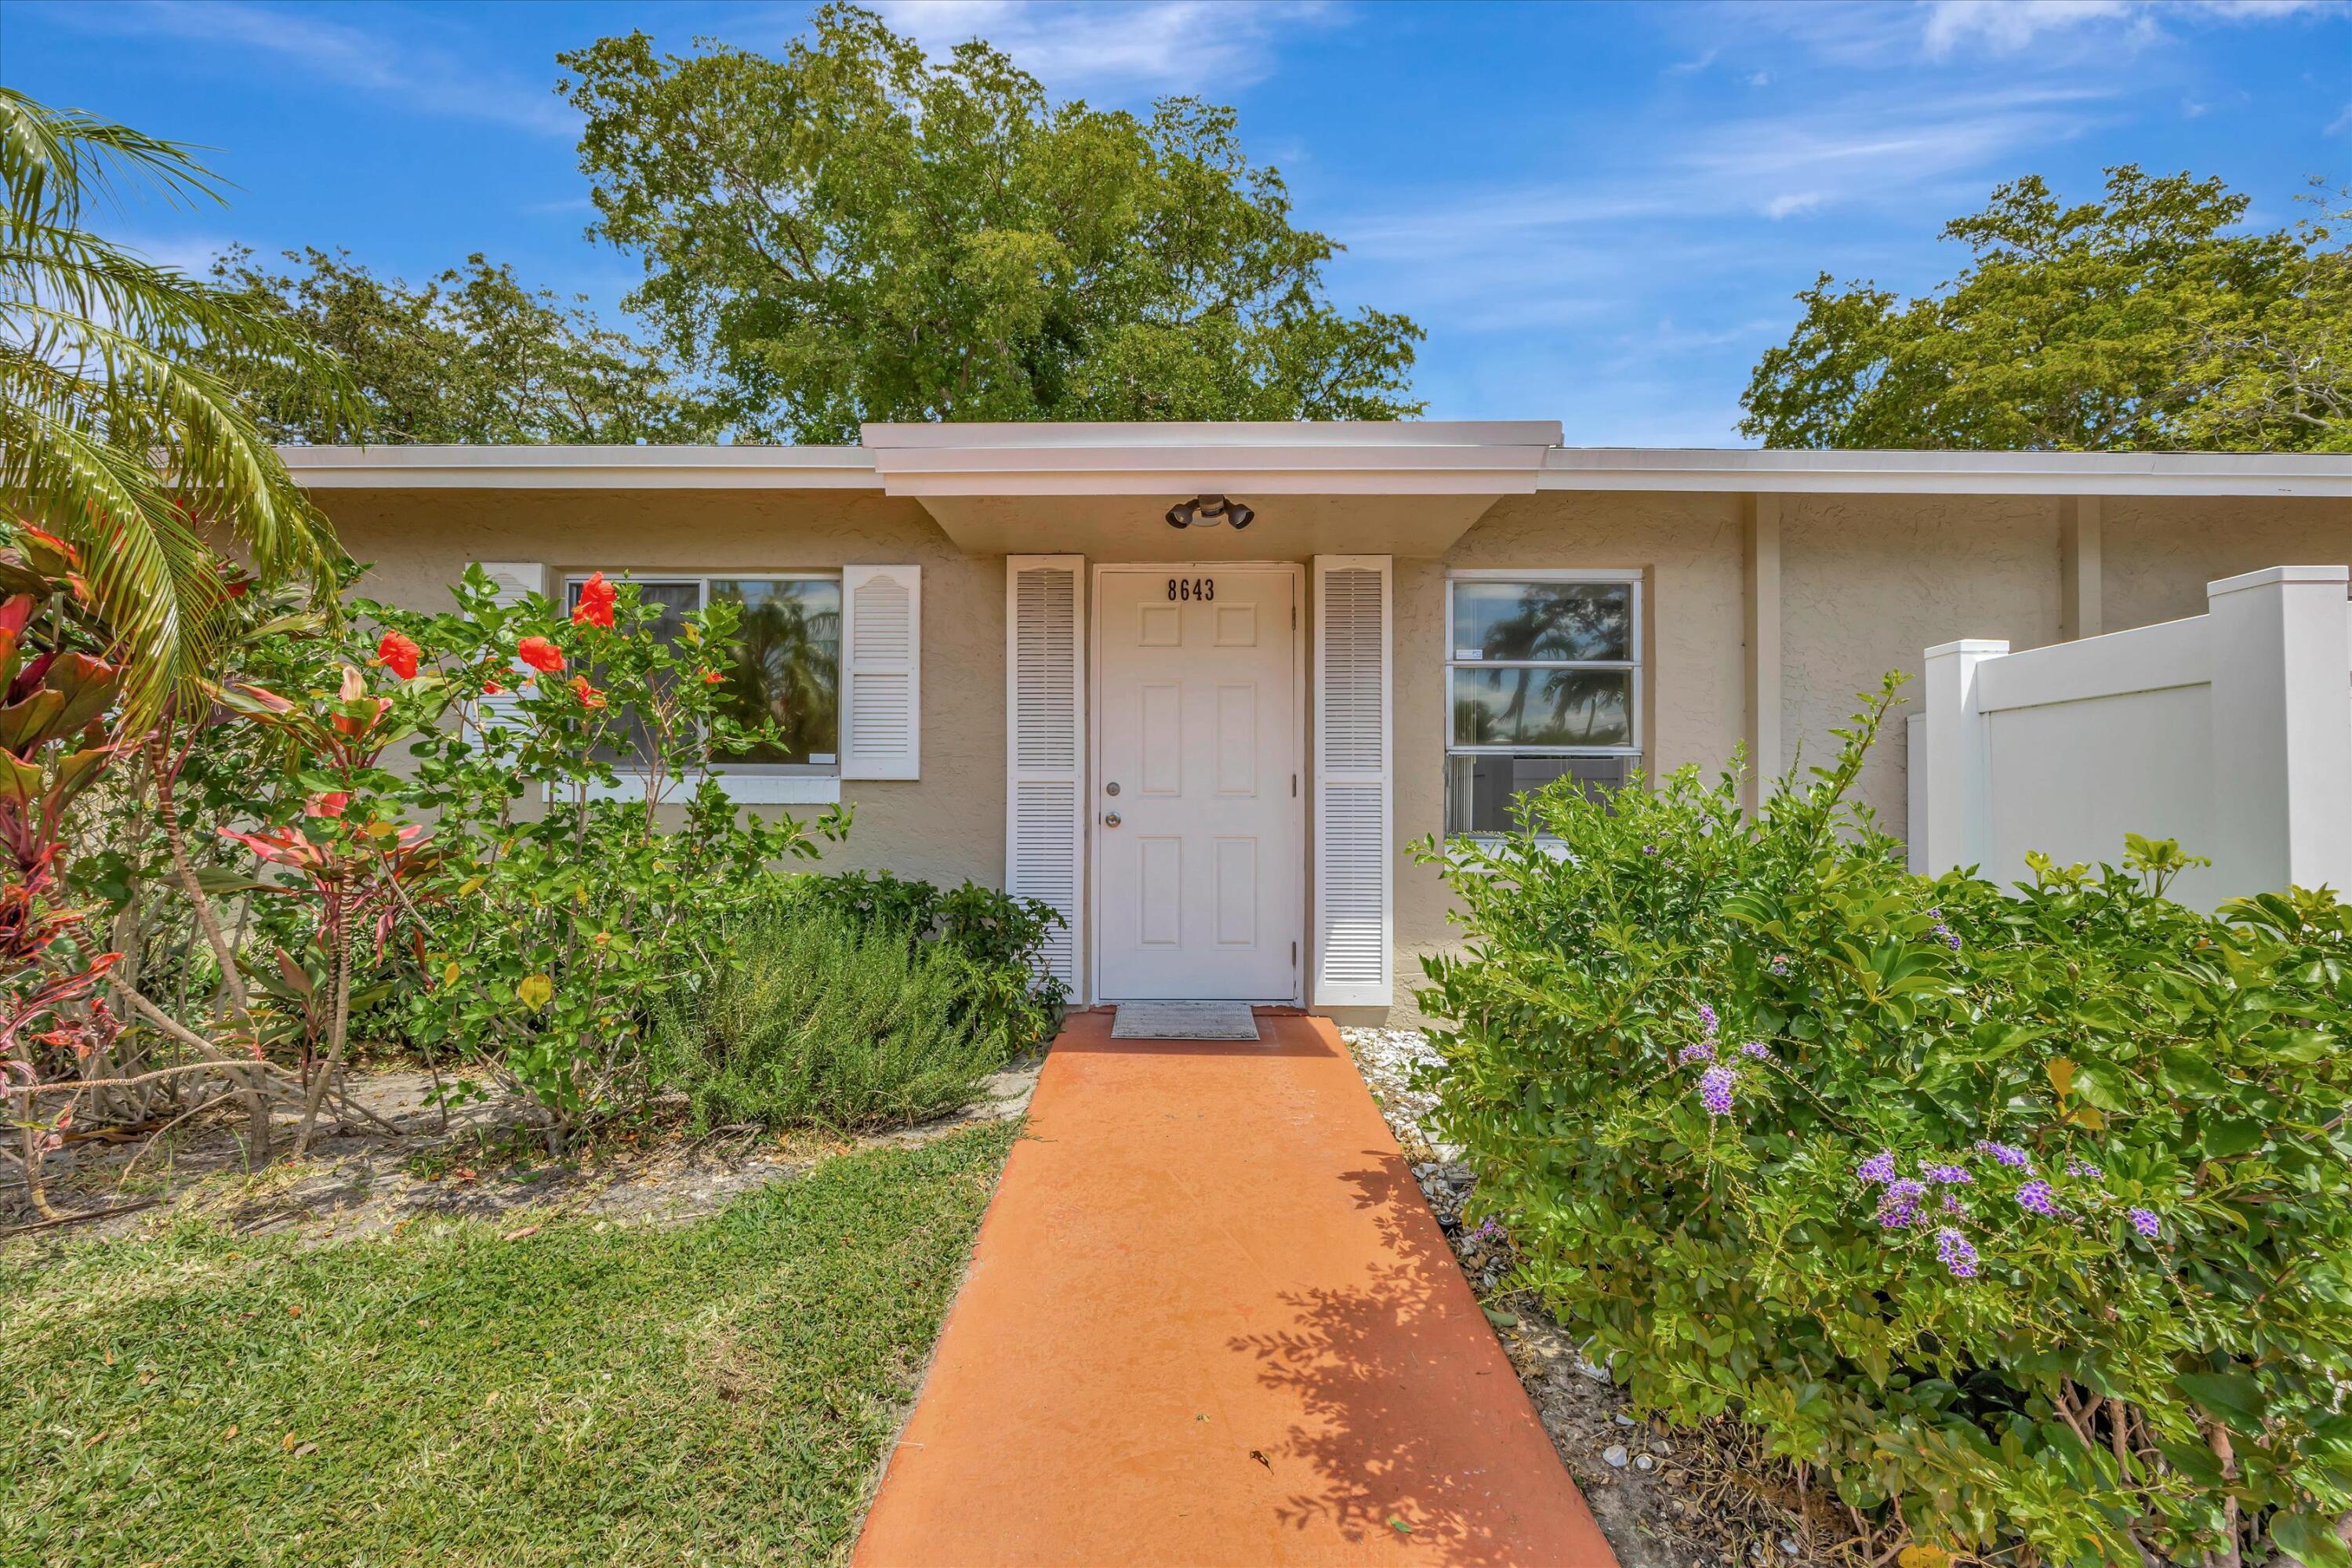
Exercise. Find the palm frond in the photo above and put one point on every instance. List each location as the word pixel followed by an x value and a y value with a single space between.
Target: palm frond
pixel 113 434
pixel 54 160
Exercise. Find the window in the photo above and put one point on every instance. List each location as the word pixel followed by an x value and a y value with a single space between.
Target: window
pixel 1543 678
pixel 786 662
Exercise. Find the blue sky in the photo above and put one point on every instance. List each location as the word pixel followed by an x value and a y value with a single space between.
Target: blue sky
pixel 1598 212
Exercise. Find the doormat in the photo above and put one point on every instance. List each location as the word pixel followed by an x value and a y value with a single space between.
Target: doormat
pixel 1184 1021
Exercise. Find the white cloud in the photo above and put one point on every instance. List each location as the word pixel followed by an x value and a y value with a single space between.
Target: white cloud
pixel 432 79
pixel 1792 204
pixel 2005 27
pixel 1193 45
pixel 2051 32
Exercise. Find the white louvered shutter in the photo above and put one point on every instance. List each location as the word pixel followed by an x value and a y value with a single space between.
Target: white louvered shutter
pixel 1354 962
pixel 881 672
pixel 1046 747
pixel 513 581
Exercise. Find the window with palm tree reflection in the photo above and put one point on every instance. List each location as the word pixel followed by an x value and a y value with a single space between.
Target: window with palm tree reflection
pixel 787 664
pixel 1543 676
pixel 787 658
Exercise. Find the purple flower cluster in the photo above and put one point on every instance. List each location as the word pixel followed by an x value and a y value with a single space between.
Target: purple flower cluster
pixel 1757 1051
pixel 1878 1169
pixel 1714 1090
pixel 2036 1197
pixel 1489 1231
pixel 2145 1222
pixel 2008 1154
pixel 1952 1204
pixel 1949 1175
pixel 1953 1251
pixel 1899 1207
pixel 2084 1168
pixel 1649 849
pixel 1707 1019
pixel 1779 964
pixel 1699 1053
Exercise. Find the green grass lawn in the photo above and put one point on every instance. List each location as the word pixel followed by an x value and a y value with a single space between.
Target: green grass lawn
pixel 718 1392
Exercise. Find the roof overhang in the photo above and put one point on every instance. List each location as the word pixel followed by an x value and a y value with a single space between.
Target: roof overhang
pixel 1409 488
pixel 1756 472
pixel 580 467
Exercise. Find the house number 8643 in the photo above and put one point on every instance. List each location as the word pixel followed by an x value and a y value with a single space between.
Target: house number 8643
pixel 1191 587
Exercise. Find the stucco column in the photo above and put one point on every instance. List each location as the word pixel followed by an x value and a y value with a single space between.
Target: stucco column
pixel 1957 793
pixel 1760 598
pixel 2081 568
pixel 2281 745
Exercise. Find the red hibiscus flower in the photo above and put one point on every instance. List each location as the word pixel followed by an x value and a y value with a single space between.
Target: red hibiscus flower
pixel 589 696
pixel 330 803
pixel 712 678
pixel 399 655
pixel 540 654
pixel 491 688
pixel 595 606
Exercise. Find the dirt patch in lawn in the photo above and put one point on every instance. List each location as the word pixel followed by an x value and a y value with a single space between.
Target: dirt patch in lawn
pixel 406 1160
pixel 1666 1498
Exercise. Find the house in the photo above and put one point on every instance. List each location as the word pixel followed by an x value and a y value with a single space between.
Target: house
pixel 1198 685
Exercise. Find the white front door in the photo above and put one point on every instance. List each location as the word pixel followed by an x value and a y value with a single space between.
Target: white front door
pixel 1197 816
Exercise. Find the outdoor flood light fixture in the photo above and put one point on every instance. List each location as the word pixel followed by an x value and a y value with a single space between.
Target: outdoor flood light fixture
pixel 1207 511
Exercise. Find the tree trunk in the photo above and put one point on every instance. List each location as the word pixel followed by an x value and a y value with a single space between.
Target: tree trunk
pixel 167 808
pixel 2228 1555
pixel 32 1156
pixel 338 1031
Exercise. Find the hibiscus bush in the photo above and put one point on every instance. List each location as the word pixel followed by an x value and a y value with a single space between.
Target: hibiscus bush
pixel 567 910
pixel 2019 1218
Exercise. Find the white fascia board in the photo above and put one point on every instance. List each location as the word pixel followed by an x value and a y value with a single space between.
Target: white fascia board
pixel 1947 473
pixel 1401 458
pixel 1179 432
pixel 581 467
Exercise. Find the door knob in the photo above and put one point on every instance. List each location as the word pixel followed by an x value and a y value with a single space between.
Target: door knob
pixel 1110 820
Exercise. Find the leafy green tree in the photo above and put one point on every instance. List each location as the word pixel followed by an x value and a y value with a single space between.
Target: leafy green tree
pixel 850 232
pixel 471 357
pixel 121 429
pixel 2146 320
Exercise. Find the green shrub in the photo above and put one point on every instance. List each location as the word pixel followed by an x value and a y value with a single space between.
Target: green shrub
pixel 984 925
pixel 2023 1215
pixel 812 1017
pixel 1004 936
pixel 562 925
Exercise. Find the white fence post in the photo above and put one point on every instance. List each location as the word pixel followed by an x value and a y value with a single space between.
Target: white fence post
pixel 1956 792
pixel 2282 731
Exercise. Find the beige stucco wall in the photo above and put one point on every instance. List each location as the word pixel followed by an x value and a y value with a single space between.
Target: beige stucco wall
pixel 1689 550
pixel 1867 584
pixel 946 825
pixel 2158 555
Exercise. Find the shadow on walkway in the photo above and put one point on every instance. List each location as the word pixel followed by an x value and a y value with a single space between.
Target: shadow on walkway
pixel 1210 1319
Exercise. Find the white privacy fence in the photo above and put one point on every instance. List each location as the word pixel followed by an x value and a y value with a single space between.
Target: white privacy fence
pixel 2230 731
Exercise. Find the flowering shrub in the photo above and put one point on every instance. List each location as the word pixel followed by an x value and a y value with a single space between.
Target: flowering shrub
pixel 2021 1217
pixel 561 918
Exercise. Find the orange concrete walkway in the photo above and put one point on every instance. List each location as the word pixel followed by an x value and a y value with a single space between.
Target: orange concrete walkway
pixel 1210 1321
